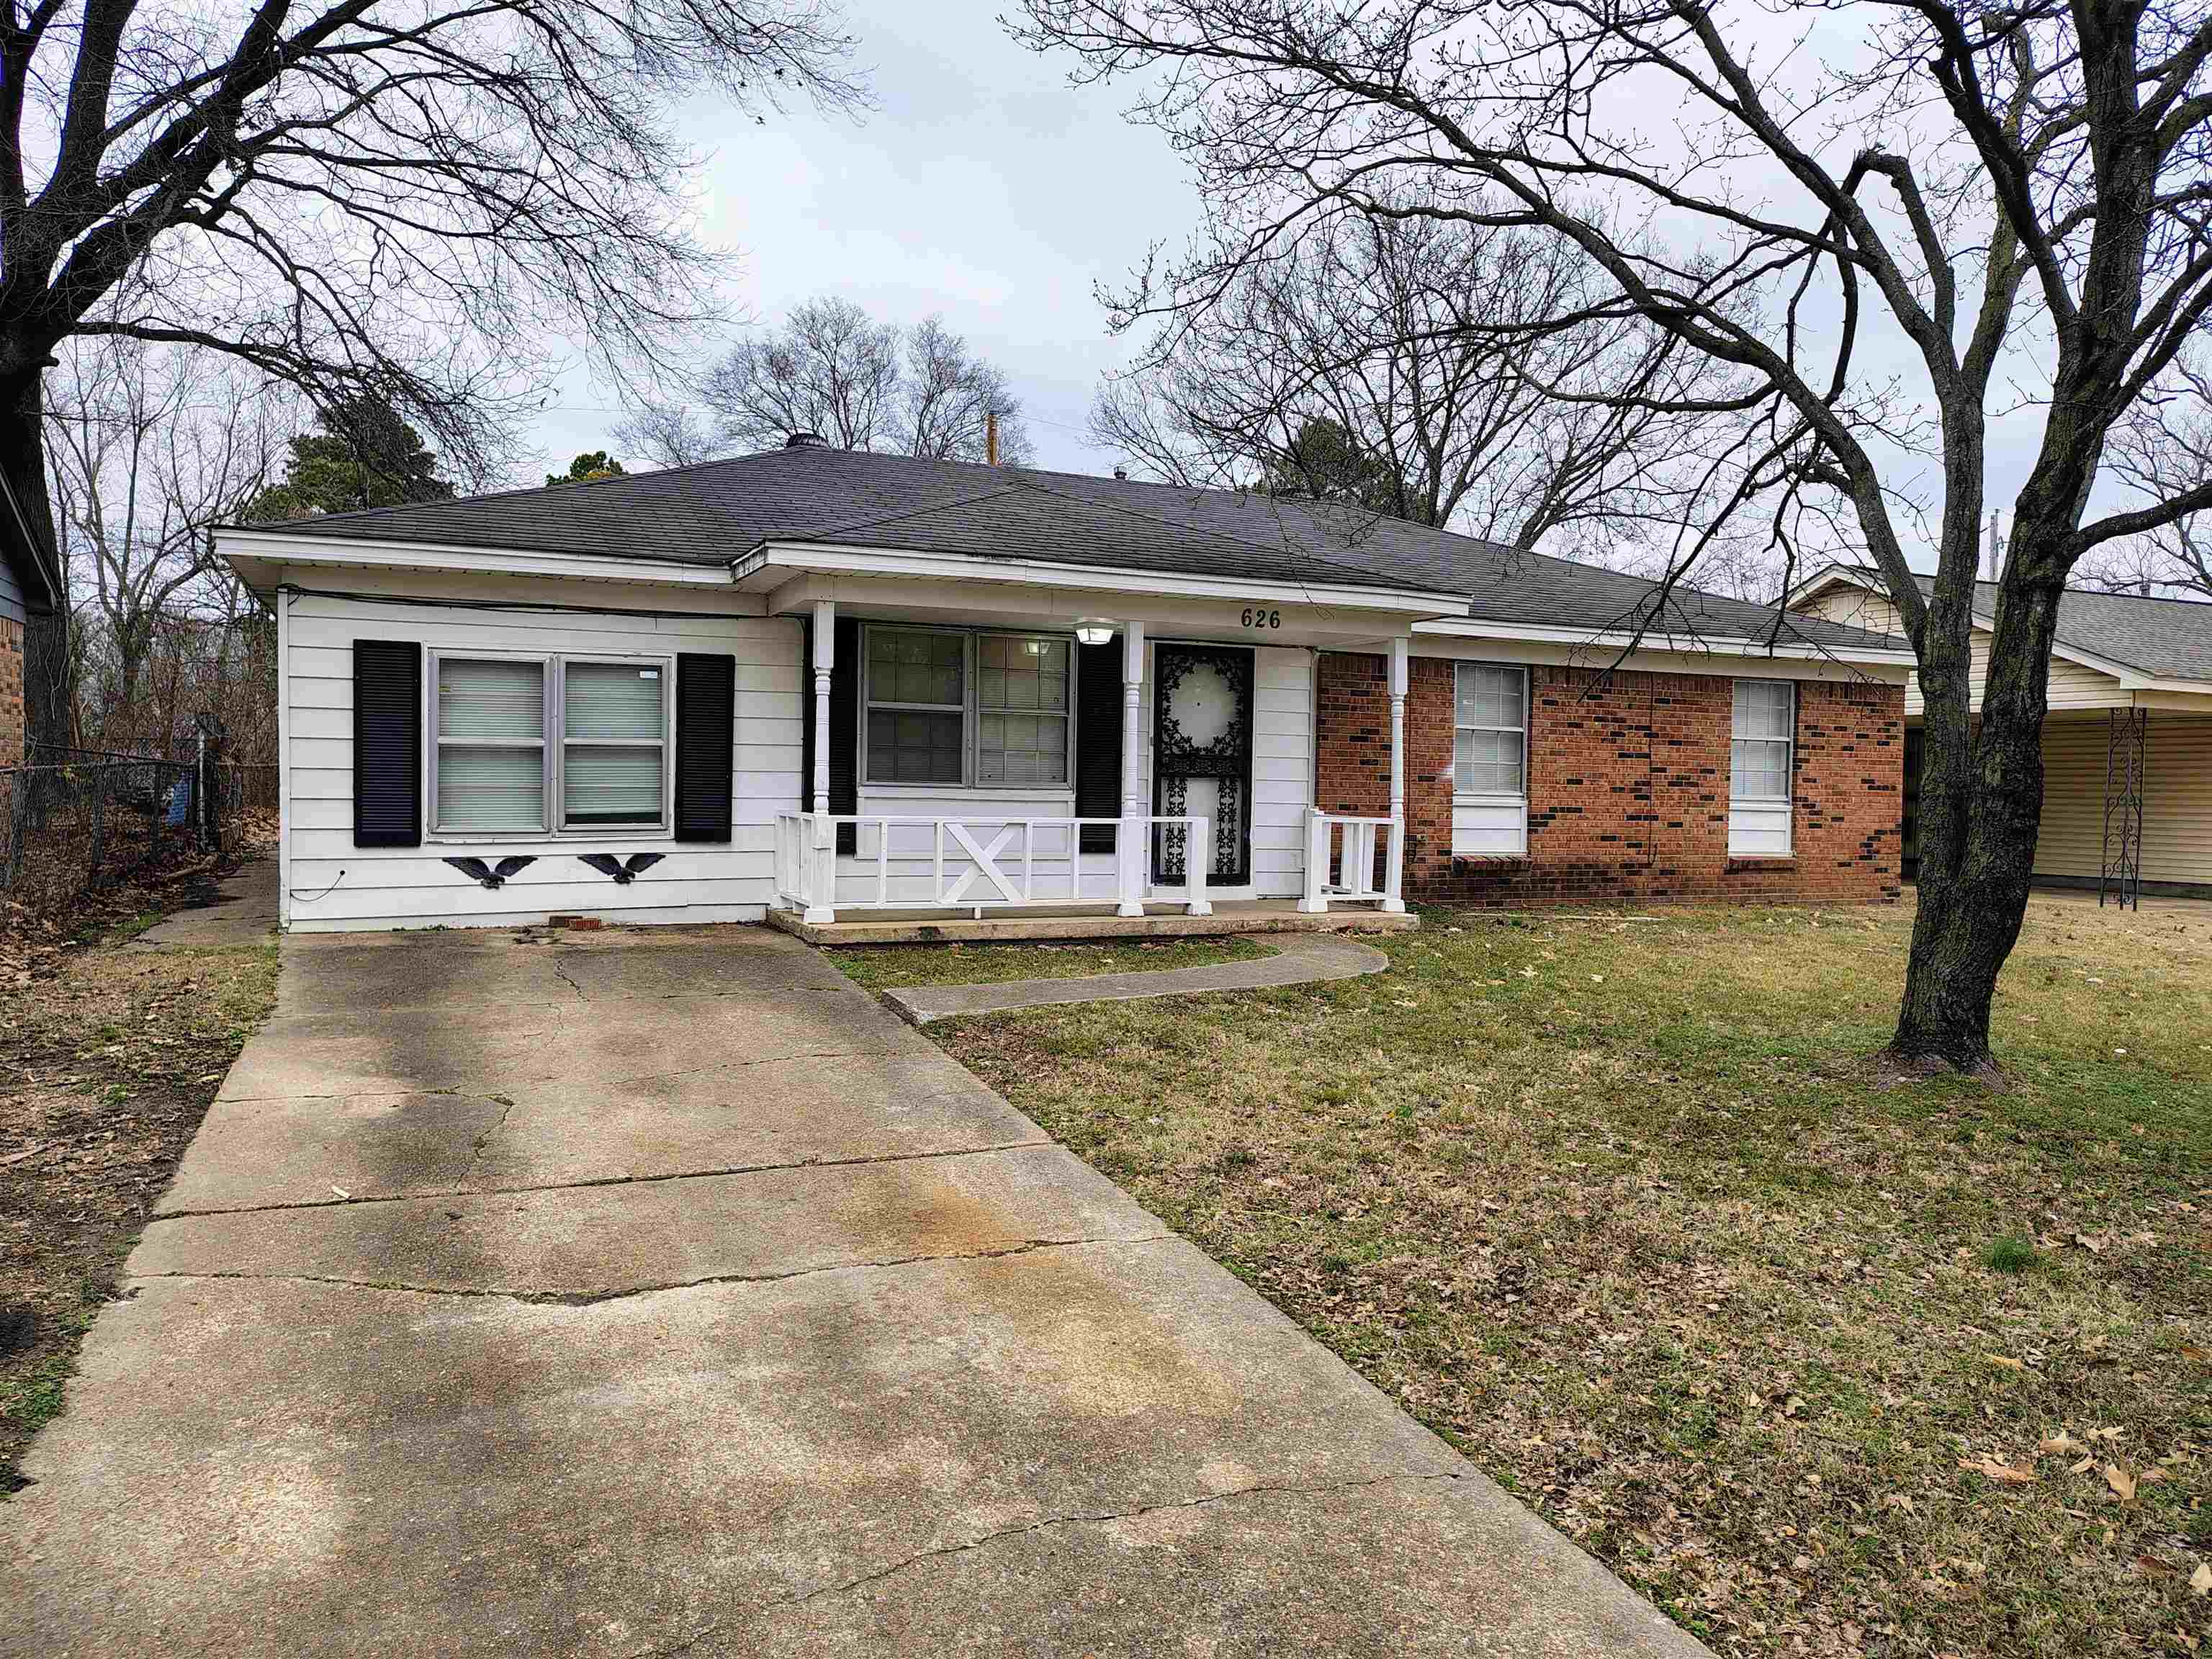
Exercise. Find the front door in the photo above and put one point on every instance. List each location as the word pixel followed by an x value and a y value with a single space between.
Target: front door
pixel 1202 757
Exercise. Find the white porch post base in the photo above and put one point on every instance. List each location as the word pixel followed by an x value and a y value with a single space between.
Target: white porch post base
pixel 1316 871
pixel 1196 860
pixel 1129 867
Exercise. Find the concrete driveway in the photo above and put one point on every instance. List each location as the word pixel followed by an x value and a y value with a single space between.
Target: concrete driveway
pixel 657 1293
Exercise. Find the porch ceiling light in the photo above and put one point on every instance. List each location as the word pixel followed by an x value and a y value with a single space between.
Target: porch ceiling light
pixel 1094 630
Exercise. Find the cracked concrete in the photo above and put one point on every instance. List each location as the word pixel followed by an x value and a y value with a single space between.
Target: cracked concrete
pixel 651 1293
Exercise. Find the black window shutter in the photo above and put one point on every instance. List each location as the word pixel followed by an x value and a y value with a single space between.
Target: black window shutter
pixel 1098 741
pixel 706 715
pixel 387 742
pixel 844 730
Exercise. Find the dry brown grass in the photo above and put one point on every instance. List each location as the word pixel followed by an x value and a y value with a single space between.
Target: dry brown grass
pixel 1821 1361
pixel 108 1058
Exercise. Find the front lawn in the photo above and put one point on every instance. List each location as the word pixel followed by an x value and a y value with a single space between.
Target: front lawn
pixel 1822 1361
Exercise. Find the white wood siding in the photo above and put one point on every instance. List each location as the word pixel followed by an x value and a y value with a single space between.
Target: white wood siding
pixel 2072 685
pixel 332 883
pixel 2176 837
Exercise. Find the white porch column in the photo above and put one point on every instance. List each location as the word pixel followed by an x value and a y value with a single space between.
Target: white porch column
pixel 1130 844
pixel 821 857
pixel 1394 866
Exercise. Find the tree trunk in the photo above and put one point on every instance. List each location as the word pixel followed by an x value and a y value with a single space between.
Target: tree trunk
pixel 1981 804
pixel 49 709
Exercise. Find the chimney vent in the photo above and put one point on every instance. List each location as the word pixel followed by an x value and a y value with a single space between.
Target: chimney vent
pixel 805 441
pixel 1122 473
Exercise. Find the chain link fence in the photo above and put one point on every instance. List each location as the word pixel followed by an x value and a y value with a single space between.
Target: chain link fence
pixel 74 821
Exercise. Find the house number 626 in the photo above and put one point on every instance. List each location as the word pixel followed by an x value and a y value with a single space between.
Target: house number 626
pixel 1258 616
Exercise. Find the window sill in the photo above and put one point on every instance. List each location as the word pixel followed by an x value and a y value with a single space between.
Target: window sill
pixel 1496 860
pixel 1761 861
pixel 527 837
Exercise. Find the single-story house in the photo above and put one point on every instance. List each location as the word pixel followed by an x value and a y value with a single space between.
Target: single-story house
pixel 819 684
pixel 2127 744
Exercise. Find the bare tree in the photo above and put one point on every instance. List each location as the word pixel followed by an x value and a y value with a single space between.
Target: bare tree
pixel 149 446
pixel 364 198
pixel 833 370
pixel 664 435
pixel 951 397
pixel 1857 236
pixel 2163 449
pixel 1388 330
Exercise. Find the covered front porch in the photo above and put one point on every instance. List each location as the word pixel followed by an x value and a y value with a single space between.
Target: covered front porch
pixel 1040 755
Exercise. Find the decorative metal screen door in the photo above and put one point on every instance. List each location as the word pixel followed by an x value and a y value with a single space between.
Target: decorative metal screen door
pixel 1202 756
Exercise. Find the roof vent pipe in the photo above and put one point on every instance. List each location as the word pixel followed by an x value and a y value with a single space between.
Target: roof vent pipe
pixel 1122 473
pixel 806 440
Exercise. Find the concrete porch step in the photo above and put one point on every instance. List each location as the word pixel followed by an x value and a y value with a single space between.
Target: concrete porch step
pixel 925 928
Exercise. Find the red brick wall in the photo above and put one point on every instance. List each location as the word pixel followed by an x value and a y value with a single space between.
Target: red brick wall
pixel 11 692
pixel 1627 786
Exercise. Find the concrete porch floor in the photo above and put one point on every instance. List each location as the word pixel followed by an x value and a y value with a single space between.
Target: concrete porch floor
pixel 1230 917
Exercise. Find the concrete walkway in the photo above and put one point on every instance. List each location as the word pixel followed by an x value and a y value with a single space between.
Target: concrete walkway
pixel 1297 959
pixel 243 912
pixel 658 1291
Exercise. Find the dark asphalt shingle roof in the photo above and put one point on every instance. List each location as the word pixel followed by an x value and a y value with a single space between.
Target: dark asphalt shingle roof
pixel 2171 638
pixel 2166 637
pixel 714 513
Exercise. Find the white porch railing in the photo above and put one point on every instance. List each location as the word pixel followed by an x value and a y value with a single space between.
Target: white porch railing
pixel 973 862
pixel 1339 866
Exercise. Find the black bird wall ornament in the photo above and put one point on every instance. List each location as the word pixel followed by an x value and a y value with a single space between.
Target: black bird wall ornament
pixel 493 876
pixel 624 870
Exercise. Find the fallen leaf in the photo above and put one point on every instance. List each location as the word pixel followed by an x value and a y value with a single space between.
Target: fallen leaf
pixel 2095 1246
pixel 2003 1472
pixel 2122 1483
pixel 2199 1582
pixel 2006 1360
pixel 2061 1444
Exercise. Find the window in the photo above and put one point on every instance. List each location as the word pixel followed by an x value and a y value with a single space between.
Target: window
pixel 587 738
pixel 1760 735
pixel 934 697
pixel 491 744
pixel 917 705
pixel 614 742
pixel 1021 701
pixel 1489 730
pixel 1759 752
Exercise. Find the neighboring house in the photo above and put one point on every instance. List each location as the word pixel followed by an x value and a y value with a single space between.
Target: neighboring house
pixel 2127 746
pixel 826 683
pixel 27 589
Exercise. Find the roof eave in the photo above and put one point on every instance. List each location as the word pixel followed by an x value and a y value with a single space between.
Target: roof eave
pixel 1652 640
pixel 768 564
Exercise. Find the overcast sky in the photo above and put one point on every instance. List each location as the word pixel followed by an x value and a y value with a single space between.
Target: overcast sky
pixel 983 187
pixel 980 186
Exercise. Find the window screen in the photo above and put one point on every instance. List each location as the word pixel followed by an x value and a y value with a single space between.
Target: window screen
pixel 1489 730
pixel 1758 749
pixel 491 744
pixel 614 742
pixel 917 705
pixel 1021 701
